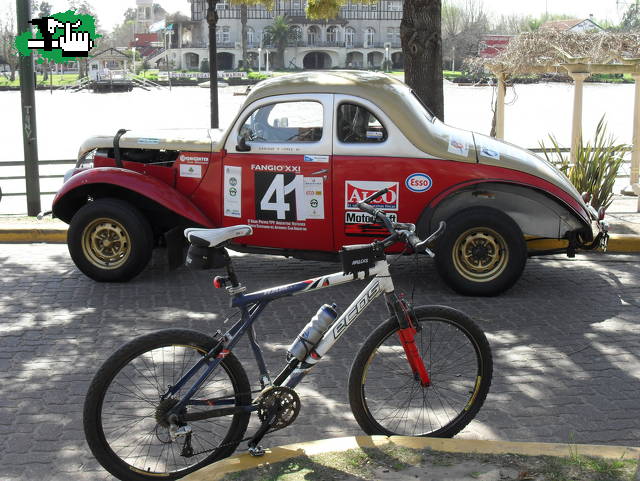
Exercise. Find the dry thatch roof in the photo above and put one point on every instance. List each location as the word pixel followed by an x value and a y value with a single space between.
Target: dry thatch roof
pixel 549 49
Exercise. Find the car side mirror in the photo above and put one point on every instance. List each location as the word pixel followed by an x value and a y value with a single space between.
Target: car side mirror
pixel 242 144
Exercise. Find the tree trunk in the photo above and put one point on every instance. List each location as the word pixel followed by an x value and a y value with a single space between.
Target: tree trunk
pixel 420 33
pixel 243 24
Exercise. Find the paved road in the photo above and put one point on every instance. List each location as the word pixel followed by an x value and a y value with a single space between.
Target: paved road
pixel 566 344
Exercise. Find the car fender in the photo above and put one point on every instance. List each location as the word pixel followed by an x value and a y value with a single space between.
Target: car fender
pixel 127 184
pixel 538 213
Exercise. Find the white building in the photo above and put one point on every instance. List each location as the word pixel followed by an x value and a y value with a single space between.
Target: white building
pixel 363 36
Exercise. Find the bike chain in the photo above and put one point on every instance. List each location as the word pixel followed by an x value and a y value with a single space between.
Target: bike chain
pixel 238 442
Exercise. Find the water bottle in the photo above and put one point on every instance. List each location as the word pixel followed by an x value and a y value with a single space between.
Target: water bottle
pixel 312 332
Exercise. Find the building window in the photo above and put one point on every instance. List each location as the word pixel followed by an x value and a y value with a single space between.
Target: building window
pixel 349 36
pixel 332 34
pixel 197 10
pixel 370 35
pixel 393 35
pixel 295 34
pixel 222 35
pixel 313 35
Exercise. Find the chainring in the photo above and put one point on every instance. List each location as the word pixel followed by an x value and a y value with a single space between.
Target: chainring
pixel 282 401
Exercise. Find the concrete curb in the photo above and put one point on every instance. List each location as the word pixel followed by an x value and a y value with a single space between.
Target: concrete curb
pixel 241 462
pixel 58 235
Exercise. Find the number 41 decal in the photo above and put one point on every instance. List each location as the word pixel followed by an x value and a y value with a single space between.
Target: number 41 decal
pixel 279 196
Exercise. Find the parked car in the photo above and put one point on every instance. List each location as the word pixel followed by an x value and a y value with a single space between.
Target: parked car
pixel 300 154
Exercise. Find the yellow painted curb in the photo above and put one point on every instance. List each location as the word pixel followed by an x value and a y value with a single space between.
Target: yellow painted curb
pixel 617 243
pixel 242 462
pixel 30 235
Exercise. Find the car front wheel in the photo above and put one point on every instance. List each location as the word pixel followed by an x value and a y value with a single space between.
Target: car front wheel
pixel 481 253
pixel 110 240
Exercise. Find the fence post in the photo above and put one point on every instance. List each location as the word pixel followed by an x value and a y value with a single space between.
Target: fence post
pixel 28 101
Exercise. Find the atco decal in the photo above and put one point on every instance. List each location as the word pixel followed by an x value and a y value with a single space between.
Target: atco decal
pixel 196 159
pixel 316 158
pixel 418 182
pixel 276 168
pixel 358 190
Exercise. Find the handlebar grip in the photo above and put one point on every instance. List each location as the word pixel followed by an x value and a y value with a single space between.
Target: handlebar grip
pixel 375 195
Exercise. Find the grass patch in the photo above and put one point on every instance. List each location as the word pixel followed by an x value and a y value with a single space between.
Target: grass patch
pixel 378 463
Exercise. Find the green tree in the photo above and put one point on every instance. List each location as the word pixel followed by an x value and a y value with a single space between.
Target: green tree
pixel 7 35
pixel 631 19
pixel 277 34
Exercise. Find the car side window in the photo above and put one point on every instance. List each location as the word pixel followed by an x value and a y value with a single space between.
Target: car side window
pixel 285 122
pixel 357 125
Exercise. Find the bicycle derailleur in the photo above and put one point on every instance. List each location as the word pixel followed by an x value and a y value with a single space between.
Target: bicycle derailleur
pixel 278 407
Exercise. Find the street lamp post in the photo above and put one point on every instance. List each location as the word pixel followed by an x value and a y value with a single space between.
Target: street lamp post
pixel 259 59
pixel 212 20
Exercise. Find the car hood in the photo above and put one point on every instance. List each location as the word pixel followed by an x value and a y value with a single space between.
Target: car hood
pixel 186 140
pixel 498 153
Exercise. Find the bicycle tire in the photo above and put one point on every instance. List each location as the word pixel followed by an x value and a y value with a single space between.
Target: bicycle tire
pixel 137 432
pixel 380 374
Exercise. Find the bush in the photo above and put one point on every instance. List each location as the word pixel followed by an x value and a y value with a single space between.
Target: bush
pixel 204 66
pixel 596 165
pixel 257 76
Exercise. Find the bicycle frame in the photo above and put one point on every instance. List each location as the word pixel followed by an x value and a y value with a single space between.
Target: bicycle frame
pixel 251 306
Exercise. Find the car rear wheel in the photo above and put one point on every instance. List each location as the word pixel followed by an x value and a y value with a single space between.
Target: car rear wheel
pixel 110 240
pixel 481 253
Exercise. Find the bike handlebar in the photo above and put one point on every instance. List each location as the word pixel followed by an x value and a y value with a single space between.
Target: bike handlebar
pixel 400 231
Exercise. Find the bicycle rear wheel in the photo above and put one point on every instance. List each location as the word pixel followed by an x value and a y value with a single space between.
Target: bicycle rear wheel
pixel 123 414
pixel 386 398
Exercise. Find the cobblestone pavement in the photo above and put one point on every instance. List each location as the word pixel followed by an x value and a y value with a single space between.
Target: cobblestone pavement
pixel 566 343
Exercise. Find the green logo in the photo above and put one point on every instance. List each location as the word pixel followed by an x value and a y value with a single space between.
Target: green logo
pixel 60 38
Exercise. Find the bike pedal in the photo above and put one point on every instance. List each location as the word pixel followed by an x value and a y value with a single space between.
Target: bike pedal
pixel 257 451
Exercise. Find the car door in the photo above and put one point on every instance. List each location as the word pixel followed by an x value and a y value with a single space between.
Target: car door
pixel 369 154
pixel 277 172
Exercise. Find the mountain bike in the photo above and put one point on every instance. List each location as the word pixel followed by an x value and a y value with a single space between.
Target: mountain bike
pixel 170 402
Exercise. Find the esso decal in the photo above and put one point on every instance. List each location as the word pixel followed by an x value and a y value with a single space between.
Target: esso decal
pixel 358 190
pixel 418 182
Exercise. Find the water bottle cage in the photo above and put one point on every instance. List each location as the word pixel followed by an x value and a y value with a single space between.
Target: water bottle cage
pixel 307 345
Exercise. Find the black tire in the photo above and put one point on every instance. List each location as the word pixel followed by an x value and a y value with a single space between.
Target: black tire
pixel 385 397
pixel 110 240
pixel 481 253
pixel 120 438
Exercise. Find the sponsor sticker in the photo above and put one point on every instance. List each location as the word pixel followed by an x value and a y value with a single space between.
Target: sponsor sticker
pixel 458 145
pixel 193 159
pixel 418 182
pixel 189 170
pixel 316 158
pixel 358 190
pixel 374 134
pixel 492 154
pixel 314 197
pixel 148 141
pixel 276 168
pixel 232 191
pixel 351 217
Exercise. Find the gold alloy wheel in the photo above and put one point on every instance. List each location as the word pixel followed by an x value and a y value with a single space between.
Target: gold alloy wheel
pixel 480 254
pixel 106 243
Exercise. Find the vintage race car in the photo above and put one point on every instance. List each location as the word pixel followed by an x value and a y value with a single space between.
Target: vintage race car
pixel 301 153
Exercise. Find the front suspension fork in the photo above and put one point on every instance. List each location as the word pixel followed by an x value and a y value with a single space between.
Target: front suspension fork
pixel 408 329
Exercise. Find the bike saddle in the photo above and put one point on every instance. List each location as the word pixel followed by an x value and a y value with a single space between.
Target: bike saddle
pixel 213 237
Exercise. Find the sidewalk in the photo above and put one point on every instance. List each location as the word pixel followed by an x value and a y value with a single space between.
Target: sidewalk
pixel 624 227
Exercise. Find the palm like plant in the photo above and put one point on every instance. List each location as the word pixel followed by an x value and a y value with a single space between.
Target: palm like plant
pixel 596 165
pixel 278 34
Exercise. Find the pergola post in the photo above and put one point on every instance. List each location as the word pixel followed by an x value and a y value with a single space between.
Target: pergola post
pixel 502 88
pixel 634 186
pixel 576 123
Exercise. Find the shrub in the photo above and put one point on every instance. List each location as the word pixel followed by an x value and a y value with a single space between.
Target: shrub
pixel 596 165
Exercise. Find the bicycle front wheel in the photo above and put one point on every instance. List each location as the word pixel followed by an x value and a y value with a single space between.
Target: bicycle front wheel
pixel 125 420
pixel 387 399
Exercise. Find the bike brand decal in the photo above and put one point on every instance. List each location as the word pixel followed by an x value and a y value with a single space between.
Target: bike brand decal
pixel 358 190
pixel 316 158
pixel 418 182
pixel 492 154
pixel 276 168
pixel 232 191
pixel 190 159
pixel 458 146
pixel 190 170
pixel 348 317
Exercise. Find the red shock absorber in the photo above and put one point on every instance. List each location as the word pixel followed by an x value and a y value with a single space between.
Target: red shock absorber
pixel 407 338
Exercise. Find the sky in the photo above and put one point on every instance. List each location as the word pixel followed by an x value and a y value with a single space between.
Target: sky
pixel 110 11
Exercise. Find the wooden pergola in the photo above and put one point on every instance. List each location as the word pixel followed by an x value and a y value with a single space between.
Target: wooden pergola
pixel 579 55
